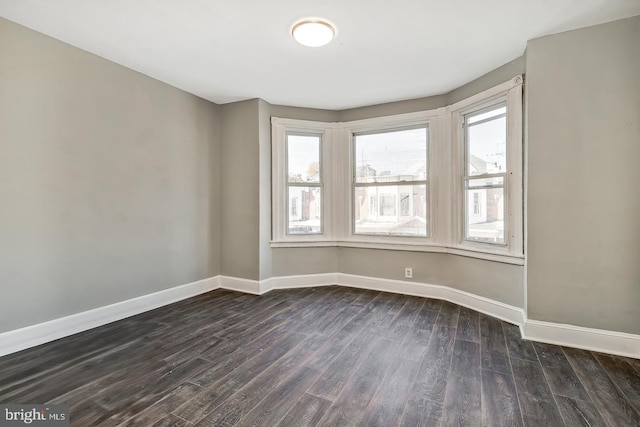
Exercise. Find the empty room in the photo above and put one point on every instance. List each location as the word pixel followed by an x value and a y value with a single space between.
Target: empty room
pixel 360 213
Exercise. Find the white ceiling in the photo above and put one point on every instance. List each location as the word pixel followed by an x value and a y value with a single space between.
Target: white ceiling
pixel 231 50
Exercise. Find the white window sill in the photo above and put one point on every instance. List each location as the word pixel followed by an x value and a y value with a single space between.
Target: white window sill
pixel 496 256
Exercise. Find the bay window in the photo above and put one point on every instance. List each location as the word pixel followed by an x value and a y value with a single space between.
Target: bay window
pixel 444 180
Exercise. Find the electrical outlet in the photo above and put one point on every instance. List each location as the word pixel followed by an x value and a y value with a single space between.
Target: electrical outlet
pixel 408 273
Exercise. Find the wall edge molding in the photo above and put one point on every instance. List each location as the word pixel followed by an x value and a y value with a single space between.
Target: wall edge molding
pixel 493 308
pixel 298 281
pixel 599 340
pixel 238 284
pixel 31 336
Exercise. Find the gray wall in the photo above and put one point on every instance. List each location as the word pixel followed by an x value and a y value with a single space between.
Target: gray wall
pixel 489 80
pixel 108 182
pixel 390 108
pixel 264 191
pixel 240 185
pixel 295 261
pixel 498 281
pixel 583 162
pixel 493 78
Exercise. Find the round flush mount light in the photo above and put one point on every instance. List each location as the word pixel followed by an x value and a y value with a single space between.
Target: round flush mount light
pixel 313 32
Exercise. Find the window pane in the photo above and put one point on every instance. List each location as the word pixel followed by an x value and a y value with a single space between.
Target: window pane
pixel 305 210
pixel 487 145
pixel 484 213
pixel 496 181
pixel 398 210
pixel 399 155
pixel 303 158
pixel 477 117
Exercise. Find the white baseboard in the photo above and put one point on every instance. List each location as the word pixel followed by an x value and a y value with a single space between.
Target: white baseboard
pixel 300 281
pixel 247 286
pixel 493 308
pixel 618 343
pixel 599 340
pixel 31 336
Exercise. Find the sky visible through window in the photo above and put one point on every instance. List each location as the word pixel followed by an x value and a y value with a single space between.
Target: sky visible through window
pixel 487 141
pixel 402 152
pixel 303 152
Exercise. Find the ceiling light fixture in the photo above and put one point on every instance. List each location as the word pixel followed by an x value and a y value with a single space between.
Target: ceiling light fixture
pixel 313 32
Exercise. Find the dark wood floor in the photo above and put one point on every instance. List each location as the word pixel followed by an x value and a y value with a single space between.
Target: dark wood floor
pixel 321 356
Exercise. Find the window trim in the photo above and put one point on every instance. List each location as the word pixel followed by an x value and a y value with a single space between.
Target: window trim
pixel 280 184
pixel 445 166
pixel 511 93
pixel 381 124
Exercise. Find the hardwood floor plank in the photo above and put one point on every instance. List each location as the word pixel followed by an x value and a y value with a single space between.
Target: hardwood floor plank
pixel 448 314
pixel 223 386
pixel 241 323
pixel 623 375
pixel 387 406
pixel 432 304
pixel 558 371
pixel 537 403
pixel 433 374
pixel 339 373
pixel 247 397
pixel 306 412
pixel 169 421
pixel 578 413
pixel 516 346
pixel 426 401
pixel 500 405
pixel 326 311
pixel 404 320
pixel 463 403
pixel 414 345
pixel 65 379
pixel 608 399
pixel 126 401
pixel 635 363
pixel 276 404
pixel 331 326
pixel 348 409
pixel 159 410
pixel 468 325
pixel 228 356
pixel 493 345
pixel 422 413
pixel 383 310
pixel 32 365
